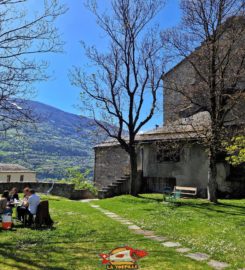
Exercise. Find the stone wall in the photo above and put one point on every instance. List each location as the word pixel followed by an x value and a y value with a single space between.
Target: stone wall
pixel 184 76
pixel 111 163
pixel 81 194
pixel 59 189
pixel 184 79
pixel 192 170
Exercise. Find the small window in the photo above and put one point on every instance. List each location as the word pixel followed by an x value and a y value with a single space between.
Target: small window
pixel 21 178
pixel 8 178
pixel 168 155
pixel 168 152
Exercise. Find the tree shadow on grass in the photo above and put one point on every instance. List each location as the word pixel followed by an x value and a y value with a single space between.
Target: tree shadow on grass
pixel 206 208
pixel 222 208
pixel 24 256
pixel 22 260
pixel 19 225
pixel 19 257
pixel 159 200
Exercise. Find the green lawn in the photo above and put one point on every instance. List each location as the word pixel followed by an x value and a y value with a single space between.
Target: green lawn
pixel 81 233
pixel 218 230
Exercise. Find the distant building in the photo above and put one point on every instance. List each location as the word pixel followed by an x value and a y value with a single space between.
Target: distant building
pixel 16 173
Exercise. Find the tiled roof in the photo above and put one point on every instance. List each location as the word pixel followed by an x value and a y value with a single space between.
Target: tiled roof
pixel 7 167
pixel 194 127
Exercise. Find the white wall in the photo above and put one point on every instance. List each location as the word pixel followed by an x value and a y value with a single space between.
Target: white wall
pixel 192 170
pixel 15 176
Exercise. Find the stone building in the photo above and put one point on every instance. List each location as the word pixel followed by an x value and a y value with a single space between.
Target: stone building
pixel 15 173
pixel 185 85
pixel 159 167
pixel 185 125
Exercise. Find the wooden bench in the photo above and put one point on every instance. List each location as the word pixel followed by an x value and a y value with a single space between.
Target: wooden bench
pixel 180 191
pixel 190 191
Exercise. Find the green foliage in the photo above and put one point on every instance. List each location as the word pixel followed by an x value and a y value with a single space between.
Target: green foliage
pixel 236 150
pixel 81 180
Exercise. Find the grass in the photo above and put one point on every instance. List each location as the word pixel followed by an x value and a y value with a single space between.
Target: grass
pixel 80 234
pixel 218 230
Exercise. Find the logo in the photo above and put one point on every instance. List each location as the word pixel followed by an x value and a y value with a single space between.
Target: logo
pixel 123 258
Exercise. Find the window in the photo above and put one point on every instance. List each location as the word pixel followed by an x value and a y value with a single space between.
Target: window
pixel 21 178
pixel 168 152
pixel 164 155
pixel 8 178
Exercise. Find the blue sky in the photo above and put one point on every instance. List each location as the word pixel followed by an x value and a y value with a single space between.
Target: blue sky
pixel 76 25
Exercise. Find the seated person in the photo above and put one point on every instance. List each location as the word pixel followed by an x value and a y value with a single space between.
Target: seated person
pixel 4 201
pixel 21 210
pixel 31 204
pixel 14 194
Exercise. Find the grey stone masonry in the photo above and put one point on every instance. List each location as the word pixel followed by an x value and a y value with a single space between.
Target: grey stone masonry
pixel 57 189
pixel 110 164
pixel 183 250
pixel 218 265
pixel 118 187
pixel 171 244
pixel 198 256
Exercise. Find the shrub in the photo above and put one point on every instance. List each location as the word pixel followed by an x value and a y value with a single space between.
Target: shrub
pixel 236 151
pixel 81 180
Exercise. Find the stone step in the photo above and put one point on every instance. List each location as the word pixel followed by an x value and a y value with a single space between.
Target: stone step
pixel 120 181
pixel 116 184
pixel 101 194
pixel 105 194
pixel 112 185
pixel 118 187
pixel 105 191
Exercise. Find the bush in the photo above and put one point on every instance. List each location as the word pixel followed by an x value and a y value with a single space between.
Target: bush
pixel 236 151
pixel 81 180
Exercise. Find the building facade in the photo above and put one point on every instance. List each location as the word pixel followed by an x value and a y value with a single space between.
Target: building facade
pixel 186 124
pixel 15 173
pixel 168 156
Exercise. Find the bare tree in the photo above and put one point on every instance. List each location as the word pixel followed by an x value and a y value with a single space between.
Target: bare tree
pixel 23 37
pixel 214 72
pixel 122 88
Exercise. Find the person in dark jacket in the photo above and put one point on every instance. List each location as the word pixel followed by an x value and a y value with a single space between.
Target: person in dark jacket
pixel 4 201
pixel 14 194
pixel 22 209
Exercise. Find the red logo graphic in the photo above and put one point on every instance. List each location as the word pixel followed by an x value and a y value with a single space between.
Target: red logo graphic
pixel 123 258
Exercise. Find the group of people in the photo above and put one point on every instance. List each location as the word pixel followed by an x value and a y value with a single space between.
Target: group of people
pixel 7 199
pixel 27 207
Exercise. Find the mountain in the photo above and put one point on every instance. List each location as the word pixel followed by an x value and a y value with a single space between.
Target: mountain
pixel 57 141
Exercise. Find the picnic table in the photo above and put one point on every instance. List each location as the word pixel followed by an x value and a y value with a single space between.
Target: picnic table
pixel 15 203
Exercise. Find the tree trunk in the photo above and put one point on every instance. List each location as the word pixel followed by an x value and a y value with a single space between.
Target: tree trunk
pixel 133 172
pixel 212 173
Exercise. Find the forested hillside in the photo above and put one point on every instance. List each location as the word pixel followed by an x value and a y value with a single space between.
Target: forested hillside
pixel 59 140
